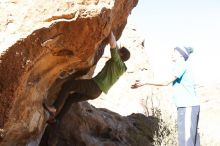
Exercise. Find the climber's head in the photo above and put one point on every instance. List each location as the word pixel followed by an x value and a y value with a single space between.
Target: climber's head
pixel 124 54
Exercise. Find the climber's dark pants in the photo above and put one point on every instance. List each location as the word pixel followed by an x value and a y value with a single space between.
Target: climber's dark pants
pixel 85 89
pixel 187 122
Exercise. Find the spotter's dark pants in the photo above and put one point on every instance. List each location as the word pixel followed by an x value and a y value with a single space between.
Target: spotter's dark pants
pixel 187 122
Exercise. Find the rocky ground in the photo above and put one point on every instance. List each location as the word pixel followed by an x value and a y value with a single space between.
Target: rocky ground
pixel 209 118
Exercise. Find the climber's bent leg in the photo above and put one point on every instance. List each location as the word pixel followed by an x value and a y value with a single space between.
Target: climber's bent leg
pixel 86 87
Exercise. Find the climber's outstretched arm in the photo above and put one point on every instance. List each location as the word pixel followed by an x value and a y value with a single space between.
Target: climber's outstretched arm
pixel 112 41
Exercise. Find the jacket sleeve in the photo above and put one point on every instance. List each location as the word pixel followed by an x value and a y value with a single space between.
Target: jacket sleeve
pixel 115 55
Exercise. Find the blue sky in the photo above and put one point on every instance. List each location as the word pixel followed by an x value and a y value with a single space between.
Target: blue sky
pixel 169 23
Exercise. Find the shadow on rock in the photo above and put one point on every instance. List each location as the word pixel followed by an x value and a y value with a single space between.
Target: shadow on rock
pixel 81 124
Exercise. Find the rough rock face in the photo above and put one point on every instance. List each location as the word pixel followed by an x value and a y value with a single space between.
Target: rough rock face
pixel 54 39
pixel 88 126
pixel 82 124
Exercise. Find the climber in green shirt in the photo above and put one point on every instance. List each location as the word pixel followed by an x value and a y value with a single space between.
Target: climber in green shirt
pixel 112 70
pixel 88 89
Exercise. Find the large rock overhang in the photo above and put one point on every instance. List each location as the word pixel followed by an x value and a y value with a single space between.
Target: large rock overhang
pixel 62 44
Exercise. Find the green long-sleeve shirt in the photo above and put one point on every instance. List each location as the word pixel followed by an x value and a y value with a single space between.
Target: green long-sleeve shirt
pixel 111 72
